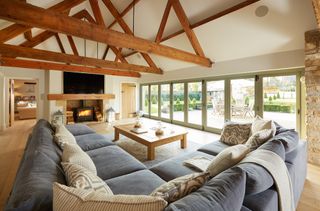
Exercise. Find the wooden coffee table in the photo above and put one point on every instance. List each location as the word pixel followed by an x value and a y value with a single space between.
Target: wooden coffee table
pixel 149 139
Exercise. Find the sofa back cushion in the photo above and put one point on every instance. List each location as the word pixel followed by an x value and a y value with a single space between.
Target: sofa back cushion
pixel 39 168
pixel 224 192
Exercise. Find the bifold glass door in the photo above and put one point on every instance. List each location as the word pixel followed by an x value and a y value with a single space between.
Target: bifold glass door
pixel 178 101
pixel 215 104
pixel 280 100
pixel 145 99
pixel 154 99
pixel 165 101
pixel 195 103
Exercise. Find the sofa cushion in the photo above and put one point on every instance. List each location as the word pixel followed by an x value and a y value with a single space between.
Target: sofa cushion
pixel 258 178
pixel 262 124
pixel 213 148
pixel 289 139
pixel 112 161
pixel 32 189
pixel 68 198
pixel 136 183
pixel 173 168
pixel 291 157
pixel 79 129
pixel 259 138
pixel 74 154
pixel 227 158
pixel 265 201
pixel 235 133
pixel 180 187
pixel 274 146
pixel 62 136
pixel 223 192
pixel 92 141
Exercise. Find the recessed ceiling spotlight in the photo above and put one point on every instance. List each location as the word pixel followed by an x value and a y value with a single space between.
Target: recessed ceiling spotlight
pixel 262 11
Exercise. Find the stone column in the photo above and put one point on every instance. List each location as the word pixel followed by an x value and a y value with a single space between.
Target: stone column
pixel 312 77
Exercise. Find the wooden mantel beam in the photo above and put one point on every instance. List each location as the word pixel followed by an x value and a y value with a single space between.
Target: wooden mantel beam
pixel 29 64
pixel 17 51
pixel 16 29
pixel 53 21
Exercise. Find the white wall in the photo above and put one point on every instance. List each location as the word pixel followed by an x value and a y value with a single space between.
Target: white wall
pixel 276 61
pixel 55 86
pixel 7 73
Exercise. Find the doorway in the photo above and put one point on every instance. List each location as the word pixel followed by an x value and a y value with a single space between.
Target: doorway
pixel 128 106
pixel 22 100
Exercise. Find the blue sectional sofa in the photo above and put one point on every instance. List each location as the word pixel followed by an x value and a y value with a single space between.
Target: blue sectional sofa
pixel 242 187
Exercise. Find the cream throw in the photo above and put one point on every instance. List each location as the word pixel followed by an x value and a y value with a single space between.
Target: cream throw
pixel 274 164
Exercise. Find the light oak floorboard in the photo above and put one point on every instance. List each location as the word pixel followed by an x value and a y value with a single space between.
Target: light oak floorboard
pixel 13 140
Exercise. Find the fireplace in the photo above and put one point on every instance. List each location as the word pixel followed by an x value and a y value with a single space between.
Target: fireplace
pixel 84 114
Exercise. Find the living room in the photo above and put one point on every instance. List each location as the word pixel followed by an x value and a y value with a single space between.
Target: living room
pixel 159 105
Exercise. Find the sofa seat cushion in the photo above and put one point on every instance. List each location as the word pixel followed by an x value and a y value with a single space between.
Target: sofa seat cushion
pixel 112 161
pixel 223 192
pixel 92 141
pixel 173 168
pixel 136 183
pixel 213 148
pixel 264 201
pixel 79 129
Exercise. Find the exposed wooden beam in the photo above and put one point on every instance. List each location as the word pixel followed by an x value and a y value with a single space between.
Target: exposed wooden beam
pixel 60 43
pixel 73 45
pixel 126 28
pixel 80 96
pixel 186 26
pixel 105 52
pixel 28 35
pixel 163 22
pixel 213 17
pixel 60 23
pixel 99 20
pixel 17 29
pixel 316 7
pixel 10 62
pixel 17 51
pixel 124 12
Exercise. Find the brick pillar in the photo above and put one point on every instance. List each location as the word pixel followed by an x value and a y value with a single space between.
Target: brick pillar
pixel 312 77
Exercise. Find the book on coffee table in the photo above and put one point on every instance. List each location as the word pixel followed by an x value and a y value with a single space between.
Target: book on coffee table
pixel 139 130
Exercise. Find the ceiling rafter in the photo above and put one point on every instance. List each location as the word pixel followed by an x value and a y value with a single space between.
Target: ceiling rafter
pixel 186 27
pixel 30 65
pixel 99 20
pixel 126 29
pixel 206 20
pixel 16 29
pixel 31 53
pixel 73 45
pixel 163 22
pixel 316 7
pixel 60 43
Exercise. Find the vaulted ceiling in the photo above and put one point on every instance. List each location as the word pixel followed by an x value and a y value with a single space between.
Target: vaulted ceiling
pixel 174 34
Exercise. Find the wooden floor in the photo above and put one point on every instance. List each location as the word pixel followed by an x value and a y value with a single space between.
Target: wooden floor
pixel 13 140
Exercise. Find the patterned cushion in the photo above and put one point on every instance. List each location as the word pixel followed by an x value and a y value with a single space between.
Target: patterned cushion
pixel 234 133
pixel 79 177
pixel 227 158
pixel 63 136
pixel 261 124
pixel 73 153
pixel 68 198
pixel 181 186
pixel 259 138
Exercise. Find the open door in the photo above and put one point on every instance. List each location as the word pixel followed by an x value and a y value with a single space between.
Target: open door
pixel 11 102
pixel 128 106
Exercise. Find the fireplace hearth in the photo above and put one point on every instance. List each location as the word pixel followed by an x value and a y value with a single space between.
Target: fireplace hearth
pixel 84 114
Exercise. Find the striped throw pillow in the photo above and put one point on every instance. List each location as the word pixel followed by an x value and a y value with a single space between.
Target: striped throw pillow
pixel 79 177
pixel 72 153
pixel 68 198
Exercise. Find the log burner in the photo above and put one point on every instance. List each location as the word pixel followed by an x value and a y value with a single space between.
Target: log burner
pixel 84 114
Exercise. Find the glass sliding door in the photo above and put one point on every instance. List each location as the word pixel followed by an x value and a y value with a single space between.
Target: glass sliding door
pixel 279 100
pixel 145 99
pixel 215 104
pixel 178 101
pixel 154 100
pixel 165 101
pixel 242 100
pixel 195 103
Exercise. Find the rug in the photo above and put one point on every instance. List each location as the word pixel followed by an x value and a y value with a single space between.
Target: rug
pixel 162 153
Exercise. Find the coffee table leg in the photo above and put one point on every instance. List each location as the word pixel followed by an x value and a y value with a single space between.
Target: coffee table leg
pixel 116 134
pixel 151 152
pixel 183 142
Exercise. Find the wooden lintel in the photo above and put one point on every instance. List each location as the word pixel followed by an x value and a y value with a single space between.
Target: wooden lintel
pixel 30 64
pixel 17 51
pixel 50 20
pixel 80 96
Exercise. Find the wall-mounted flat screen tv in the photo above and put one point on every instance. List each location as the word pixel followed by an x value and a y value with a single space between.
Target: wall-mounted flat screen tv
pixel 81 83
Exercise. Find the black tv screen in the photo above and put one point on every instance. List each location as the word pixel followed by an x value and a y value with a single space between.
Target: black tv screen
pixel 81 83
